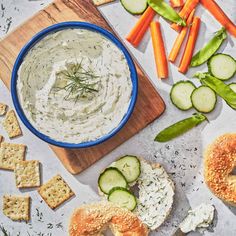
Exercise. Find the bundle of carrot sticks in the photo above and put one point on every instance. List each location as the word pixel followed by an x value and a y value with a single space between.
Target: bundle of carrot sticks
pixel 191 28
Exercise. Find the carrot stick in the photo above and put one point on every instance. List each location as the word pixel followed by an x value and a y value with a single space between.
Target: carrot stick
pixel 185 12
pixel 218 13
pixel 188 52
pixel 159 50
pixel 176 3
pixel 180 38
pixel 136 34
pixel 142 31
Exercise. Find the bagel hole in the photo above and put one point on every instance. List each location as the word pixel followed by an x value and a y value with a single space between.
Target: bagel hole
pixel 233 171
pixel 108 232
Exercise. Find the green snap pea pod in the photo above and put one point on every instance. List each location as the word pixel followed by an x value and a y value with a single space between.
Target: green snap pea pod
pixel 180 127
pixel 166 11
pixel 210 48
pixel 222 89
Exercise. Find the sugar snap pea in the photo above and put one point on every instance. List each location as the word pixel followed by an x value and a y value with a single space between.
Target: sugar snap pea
pixel 222 89
pixel 166 11
pixel 210 48
pixel 180 127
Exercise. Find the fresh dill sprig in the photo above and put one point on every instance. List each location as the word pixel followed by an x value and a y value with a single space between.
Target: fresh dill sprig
pixel 81 83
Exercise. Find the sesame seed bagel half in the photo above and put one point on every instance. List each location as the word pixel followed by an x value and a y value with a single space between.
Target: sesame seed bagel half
pixel 93 219
pixel 219 163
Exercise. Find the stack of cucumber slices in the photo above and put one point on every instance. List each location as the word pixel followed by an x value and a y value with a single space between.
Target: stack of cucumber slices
pixel 115 180
pixel 184 94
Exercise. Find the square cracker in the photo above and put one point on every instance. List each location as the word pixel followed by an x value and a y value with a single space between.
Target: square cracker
pixel 55 192
pixel 10 154
pixel 16 207
pixel 3 109
pixel 11 124
pixel 27 174
pixel 101 2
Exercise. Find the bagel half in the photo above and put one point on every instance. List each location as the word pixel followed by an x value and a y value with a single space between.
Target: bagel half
pixel 93 219
pixel 156 194
pixel 219 162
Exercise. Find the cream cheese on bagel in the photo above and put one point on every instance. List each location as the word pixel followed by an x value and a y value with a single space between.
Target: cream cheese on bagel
pixel 156 194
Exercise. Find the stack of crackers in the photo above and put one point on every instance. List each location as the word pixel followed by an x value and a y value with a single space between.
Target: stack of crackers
pixel 27 173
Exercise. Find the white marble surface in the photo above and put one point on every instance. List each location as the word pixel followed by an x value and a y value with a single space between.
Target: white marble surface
pixel 181 157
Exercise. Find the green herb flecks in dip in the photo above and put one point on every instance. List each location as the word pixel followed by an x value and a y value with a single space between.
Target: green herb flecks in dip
pixel 74 85
pixel 78 82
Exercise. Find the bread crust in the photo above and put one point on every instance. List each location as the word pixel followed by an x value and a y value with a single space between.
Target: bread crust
pixel 219 162
pixel 92 219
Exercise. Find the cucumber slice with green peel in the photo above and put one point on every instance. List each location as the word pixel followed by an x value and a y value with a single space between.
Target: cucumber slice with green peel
pixel 233 86
pixel 180 95
pixel 129 166
pixel 111 177
pixel 123 198
pixel 135 7
pixel 222 66
pixel 221 89
pixel 204 99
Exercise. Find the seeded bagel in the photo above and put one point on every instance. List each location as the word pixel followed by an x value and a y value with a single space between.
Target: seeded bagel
pixel 219 162
pixel 156 194
pixel 93 219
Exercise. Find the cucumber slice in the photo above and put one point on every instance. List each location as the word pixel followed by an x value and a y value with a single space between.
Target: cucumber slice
pixel 233 86
pixel 180 94
pixel 111 177
pixel 204 99
pixel 222 66
pixel 134 7
pixel 123 198
pixel 129 166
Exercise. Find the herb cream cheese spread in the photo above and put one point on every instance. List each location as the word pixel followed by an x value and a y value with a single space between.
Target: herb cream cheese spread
pixel 74 85
pixel 156 195
pixel 199 217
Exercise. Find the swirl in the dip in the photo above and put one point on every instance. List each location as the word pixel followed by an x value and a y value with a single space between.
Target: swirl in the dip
pixel 74 86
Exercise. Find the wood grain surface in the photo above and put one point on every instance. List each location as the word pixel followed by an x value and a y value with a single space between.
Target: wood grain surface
pixel 149 105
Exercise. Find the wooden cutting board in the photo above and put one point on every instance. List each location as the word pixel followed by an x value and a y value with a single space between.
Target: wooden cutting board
pixel 149 105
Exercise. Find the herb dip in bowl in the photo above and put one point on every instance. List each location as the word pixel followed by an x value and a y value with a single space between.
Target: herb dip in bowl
pixel 74 85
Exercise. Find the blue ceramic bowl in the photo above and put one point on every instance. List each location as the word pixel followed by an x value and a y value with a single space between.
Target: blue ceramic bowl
pixel 52 29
